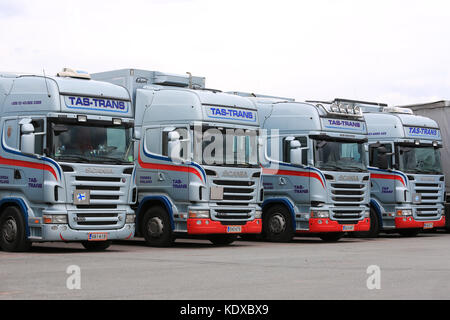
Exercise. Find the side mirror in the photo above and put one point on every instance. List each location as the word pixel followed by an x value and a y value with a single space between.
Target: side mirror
pixel 27 139
pixel 137 134
pixel 174 145
pixel 295 152
pixel 383 161
pixel 384 157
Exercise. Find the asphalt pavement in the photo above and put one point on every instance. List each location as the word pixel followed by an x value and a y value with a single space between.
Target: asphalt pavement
pixel 388 267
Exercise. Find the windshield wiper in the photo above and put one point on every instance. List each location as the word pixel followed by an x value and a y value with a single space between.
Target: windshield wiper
pixel 73 157
pixel 329 167
pixel 115 160
pixel 357 169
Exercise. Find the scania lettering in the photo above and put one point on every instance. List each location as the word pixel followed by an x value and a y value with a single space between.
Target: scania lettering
pixel 66 161
pixel 407 193
pixel 315 176
pixel 197 160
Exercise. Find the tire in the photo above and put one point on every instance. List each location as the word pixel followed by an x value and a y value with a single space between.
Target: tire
pixel 409 232
pixel 277 224
pixel 13 234
pixel 222 239
pixel 374 227
pixel 96 245
pixel 156 228
pixel 331 236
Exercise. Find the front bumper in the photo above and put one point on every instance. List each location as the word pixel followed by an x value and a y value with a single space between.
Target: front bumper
pixel 410 222
pixel 318 225
pixel 208 226
pixel 62 232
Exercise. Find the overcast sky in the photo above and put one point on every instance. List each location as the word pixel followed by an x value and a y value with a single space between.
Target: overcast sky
pixel 392 51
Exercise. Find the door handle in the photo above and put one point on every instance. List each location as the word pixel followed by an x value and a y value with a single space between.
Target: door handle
pixel 161 176
pixel 282 181
pixel 17 174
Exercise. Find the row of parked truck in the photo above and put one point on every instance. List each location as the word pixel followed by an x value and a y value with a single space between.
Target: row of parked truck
pixel 124 153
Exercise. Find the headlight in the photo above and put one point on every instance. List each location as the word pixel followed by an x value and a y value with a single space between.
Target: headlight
pixel 404 213
pixel 367 214
pixel 131 218
pixel 319 214
pixel 199 214
pixel 55 219
pixel 258 214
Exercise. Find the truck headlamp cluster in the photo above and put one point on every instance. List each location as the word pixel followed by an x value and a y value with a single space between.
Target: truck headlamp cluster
pixel 345 109
pixel 131 218
pixel 199 214
pixel 404 213
pixel 55 219
pixel 320 214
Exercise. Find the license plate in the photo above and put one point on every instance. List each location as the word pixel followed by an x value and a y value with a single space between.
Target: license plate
pixel 234 229
pixel 428 225
pixel 348 228
pixel 97 236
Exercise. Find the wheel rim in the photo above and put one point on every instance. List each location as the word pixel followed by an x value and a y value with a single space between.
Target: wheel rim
pixel 277 223
pixel 155 227
pixel 9 230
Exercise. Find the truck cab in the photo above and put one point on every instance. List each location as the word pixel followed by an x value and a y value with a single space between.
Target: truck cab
pixel 407 193
pixel 197 164
pixel 66 161
pixel 315 175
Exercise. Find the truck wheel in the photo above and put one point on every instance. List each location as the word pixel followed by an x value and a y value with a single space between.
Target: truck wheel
pixel 96 245
pixel 222 239
pixel 374 227
pixel 156 228
pixel 409 232
pixel 331 236
pixel 13 235
pixel 277 224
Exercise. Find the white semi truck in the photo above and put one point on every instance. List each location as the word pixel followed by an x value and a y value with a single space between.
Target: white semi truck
pixel 315 172
pixel 439 111
pixel 66 161
pixel 407 193
pixel 197 164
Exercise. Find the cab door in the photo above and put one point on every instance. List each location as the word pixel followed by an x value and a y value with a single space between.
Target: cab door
pixel 31 168
pixel 296 182
pixel 382 180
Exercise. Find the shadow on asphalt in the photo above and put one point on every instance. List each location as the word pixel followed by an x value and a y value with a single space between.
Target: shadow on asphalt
pixel 179 243
pixel 62 248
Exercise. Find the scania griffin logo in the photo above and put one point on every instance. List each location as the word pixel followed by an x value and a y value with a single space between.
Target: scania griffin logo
pixel 99 170
pixel 235 174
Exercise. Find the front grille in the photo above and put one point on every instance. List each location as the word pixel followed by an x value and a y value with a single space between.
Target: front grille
pixel 236 192
pixel 105 193
pixel 349 194
pixel 96 179
pixel 430 193
pixel 234 183
pixel 97 220
pixel 348 201
pixel 96 206
pixel 228 214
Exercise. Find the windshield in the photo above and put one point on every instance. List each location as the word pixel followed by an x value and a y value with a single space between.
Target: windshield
pixel 420 159
pixel 339 155
pixel 227 147
pixel 92 142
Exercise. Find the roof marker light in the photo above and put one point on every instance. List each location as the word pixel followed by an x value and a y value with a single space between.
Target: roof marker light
pixel 398 110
